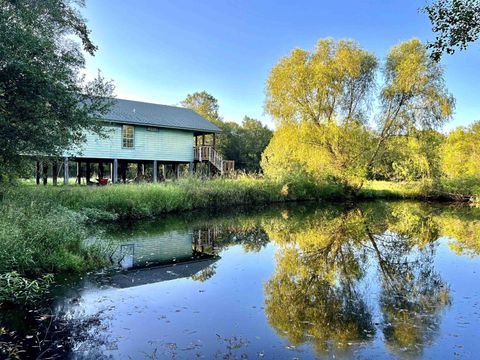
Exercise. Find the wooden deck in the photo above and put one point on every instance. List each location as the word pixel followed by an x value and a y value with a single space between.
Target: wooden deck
pixel 207 153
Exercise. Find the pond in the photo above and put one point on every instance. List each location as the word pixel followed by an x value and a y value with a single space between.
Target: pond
pixel 300 281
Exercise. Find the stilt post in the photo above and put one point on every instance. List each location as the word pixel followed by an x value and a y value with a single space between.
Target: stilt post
pixel 124 171
pixel 65 171
pixel 155 171
pixel 37 173
pixel 101 170
pixel 79 172
pixel 45 172
pixel 115 171
pixel 88 172
pixel 54 172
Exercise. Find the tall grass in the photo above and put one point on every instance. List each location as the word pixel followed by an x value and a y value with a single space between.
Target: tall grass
pixel 135 201
pixel 37 239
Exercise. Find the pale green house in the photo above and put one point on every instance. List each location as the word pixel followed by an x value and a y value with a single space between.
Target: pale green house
pixel 147 134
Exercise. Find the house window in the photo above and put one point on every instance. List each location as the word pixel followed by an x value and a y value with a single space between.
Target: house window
pixel 128 135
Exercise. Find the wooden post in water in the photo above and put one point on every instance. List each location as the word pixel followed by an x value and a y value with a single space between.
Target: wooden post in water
pixel 54 172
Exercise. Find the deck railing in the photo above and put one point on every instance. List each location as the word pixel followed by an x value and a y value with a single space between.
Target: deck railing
pixel 208 153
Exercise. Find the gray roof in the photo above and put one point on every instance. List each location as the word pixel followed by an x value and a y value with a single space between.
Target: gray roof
pixel 173 117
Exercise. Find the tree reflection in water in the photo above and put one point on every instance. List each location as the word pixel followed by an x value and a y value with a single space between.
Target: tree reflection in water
pixel 332 263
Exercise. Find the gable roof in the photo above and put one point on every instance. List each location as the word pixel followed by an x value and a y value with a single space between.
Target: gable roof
pixel 147 114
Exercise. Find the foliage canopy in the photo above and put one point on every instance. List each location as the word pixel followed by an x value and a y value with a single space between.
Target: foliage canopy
pixel 321 100
pixel 45 105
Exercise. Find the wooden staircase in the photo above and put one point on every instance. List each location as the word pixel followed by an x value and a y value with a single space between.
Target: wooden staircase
pixel 208 154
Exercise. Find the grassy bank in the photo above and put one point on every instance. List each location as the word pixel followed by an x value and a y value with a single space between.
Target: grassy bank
pixel 42 228
pixel 465 190
pixel 137 201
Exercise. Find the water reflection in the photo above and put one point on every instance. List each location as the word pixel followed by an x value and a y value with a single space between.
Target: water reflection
pixel 369 280
pixel 330 262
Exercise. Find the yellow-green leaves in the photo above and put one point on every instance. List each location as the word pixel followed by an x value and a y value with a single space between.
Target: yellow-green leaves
pixel 333 81
pixel 414 93
pixel 461 153
pixel 321 101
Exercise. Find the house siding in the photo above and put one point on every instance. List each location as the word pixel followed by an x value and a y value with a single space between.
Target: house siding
pixel 163 248
pixel 162 145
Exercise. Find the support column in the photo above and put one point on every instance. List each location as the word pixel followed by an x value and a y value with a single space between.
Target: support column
pixel 124 171
pixel 115 171
pixel 163 172
pixel 190 168
pixel 101 170
pixel 139 169
pixel 54 172
pixel 45 172
pixel 88 172
pixel 79 172
pixel 37 172
pixel 65 171
pixel 155 171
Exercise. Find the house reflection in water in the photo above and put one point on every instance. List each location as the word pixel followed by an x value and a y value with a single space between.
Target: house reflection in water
pixel 149 258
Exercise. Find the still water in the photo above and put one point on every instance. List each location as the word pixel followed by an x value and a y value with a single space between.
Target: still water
pixel 372 280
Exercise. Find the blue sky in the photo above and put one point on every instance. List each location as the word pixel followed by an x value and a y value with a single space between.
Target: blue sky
pixel 159 51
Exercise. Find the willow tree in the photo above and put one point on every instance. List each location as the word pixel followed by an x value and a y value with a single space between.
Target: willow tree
pixel 324 94
pixel 413 97
pixel 321 101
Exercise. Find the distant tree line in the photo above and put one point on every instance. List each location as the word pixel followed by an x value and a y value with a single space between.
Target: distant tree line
pixel 244 143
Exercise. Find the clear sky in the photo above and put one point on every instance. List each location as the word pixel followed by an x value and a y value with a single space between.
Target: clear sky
pixel 159 51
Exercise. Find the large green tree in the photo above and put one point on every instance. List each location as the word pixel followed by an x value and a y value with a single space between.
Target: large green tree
pixel 45 104
pixel 323 96
pixel 204 104
pixel 456 24
pixel 321 102
pixel 413 97
pixel 243 143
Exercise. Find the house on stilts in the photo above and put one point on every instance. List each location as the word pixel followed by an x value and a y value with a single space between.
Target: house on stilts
pixel 160 138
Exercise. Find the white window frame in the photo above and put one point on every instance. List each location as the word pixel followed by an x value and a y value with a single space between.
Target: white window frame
pixel 130 140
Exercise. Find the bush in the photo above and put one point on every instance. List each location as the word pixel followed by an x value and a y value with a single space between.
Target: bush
pixel 17 289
